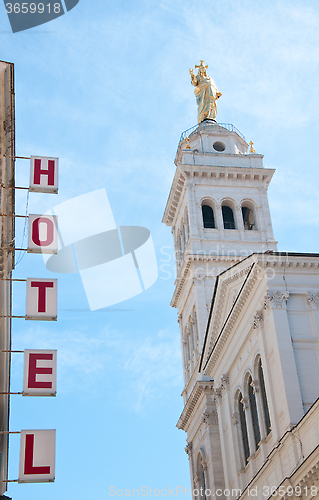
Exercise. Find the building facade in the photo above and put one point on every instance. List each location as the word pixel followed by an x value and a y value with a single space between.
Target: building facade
pixel 249 320
pixel 7 210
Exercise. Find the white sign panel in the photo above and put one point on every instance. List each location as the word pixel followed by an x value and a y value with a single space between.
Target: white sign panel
pixel 39 377
pixel 44 174
pixel 42 299
pixel 37 456
pixel 43 235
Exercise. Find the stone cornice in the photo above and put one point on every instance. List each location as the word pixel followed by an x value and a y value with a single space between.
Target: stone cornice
pixel 200 388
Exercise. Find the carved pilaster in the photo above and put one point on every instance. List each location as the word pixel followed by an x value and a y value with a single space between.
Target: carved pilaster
pixel 276 300
pixel 313 300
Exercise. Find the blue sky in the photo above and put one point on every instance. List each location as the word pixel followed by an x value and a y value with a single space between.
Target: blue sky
pixel 106 88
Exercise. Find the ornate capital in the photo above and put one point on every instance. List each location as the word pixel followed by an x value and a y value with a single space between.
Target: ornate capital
pixel 204 465
pixel 313 300
pixel 257 320
pixel 276 300
pixel 224 382
pixel 210 417
pixel 245 404
pixel 255 385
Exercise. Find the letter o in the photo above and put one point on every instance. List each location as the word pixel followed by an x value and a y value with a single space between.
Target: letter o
pixel 36 232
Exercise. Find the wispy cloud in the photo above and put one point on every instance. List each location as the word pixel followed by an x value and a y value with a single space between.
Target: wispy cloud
pixel 147 367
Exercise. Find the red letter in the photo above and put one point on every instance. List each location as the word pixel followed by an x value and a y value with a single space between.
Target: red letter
pixel 36 230
pixel 28 458
pixel 38 172
pixel 34 370
pixel 42 285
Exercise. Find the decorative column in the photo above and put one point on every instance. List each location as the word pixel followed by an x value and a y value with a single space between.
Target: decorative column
pixel 215 475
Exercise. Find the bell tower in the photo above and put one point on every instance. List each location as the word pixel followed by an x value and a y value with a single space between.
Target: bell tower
pixel 219 214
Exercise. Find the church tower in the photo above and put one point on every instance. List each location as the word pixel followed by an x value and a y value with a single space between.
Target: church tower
pixel 248 317
pixel 219 214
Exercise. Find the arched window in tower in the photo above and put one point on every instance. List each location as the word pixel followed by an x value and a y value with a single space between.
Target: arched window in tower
pixel 248 218
pixel 253 409
pixel 264 398
pixel 208 217
pixel 228 217
pixel 243 426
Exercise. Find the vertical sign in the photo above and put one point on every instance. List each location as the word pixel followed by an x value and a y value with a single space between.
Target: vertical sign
pixel 42 299
pixel 44 174
pixel 39 376
pixel 42 237
pixel 37 456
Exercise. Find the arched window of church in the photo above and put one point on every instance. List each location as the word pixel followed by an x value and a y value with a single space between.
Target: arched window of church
pixel 186 225
pixel 264 397
pixel 196 339
pixel 178 248
pixel 248 218
pixel 208 217
pixel 243 427
pixel 253 409
pixel 228 217
pixel 182 236
pixel 201 482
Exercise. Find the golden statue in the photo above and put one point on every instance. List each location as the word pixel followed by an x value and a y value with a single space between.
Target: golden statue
pixel 252 150
pixel 206 93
